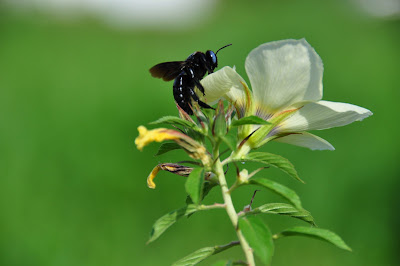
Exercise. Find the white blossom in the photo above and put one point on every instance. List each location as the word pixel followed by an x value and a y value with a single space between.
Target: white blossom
pixel 286 82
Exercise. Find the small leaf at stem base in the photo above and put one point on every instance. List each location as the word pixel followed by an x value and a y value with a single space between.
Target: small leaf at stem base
pixel 258 236
pixel 194 184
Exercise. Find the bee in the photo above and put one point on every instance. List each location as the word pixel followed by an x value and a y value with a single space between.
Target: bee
pixel 187 75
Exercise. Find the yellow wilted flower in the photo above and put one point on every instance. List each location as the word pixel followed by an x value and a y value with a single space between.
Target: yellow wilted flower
pixel 192 147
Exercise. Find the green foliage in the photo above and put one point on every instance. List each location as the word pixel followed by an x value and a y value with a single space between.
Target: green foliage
pixel 259 237
pixel 274 160
pixel 284 209
pixel 202 254
pixel 195 257
pixel 169 219
pixel 166 147
pixel 249 120
pixel 279 189
pixel 207 187
pixel 321 234
pixel 173 120
pixel 176 121
pixel 251 229
pixel 194 185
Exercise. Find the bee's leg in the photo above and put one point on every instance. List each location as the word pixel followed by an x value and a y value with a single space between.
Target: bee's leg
pixel 203 59
pixel 201 103
pixel 204 105
pixel 199 86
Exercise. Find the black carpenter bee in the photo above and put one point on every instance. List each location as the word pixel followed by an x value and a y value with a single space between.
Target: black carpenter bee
pixel 187 75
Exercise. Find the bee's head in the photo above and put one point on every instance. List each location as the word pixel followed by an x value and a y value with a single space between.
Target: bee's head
pixel 211 57
pixel 212 60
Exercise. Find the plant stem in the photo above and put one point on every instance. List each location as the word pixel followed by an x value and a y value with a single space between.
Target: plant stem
pixel 230 209
pixel 209 207
pixel 224 247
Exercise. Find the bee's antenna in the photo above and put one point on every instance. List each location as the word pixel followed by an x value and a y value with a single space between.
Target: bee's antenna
pixel 222 48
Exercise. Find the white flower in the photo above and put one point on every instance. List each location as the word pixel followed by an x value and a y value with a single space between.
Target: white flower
pixel 286 79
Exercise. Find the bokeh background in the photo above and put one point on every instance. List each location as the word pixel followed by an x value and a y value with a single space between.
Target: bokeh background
pixel 74 87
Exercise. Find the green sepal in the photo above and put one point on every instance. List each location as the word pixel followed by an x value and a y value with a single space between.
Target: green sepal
pixel 219 125
pixel 164 222
pixel 259 237
pixel 202 120
pixel 272 159
pixel 278 188
pixel 321 234
pixel 283 209
pixel 249 120
pixel 209 114
pixel 166 147
pixel 194 185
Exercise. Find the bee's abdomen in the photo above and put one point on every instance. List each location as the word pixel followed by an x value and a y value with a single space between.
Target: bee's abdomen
pixel 182 87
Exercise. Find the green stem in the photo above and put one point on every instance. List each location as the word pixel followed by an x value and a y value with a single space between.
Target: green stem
pixel 209 207
pixel 219 249
pixel 230 209
pixel 233 187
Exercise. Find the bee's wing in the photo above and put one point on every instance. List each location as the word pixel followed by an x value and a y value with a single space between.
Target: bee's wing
pixel 168 70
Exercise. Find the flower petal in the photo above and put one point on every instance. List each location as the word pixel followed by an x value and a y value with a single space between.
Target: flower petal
pixel 160 134
pixel 170 167
pixel 323 115
pixel 195 149
pixel 152 175
pixel 284 73
pixel 306 140
pixel 223 83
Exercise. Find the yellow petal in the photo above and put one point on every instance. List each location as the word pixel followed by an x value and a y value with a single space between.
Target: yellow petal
pixel 170 167
pixel 160 134
pixel 152 175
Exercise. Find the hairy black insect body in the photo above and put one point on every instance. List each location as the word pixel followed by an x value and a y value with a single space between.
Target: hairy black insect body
pixel 187 75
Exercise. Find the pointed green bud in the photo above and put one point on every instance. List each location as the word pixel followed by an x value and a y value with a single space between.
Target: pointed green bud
pixel 219 126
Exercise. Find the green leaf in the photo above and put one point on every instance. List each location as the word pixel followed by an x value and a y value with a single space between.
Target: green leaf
pixel 280 189
pixel 176 121
pixel 194 184
pixel 196 135
pixel 258 236
pixel 284 209
pixel 249 120
pixel 173 120
pixel 206 189
pixel 166 147
pixel 321 234
pixel 169 219
pixel 203 253
pixel 219 126
pixel 274 160
pixel 195 257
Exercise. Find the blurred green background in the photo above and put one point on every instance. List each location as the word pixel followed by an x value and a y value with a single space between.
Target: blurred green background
pixel 72 94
